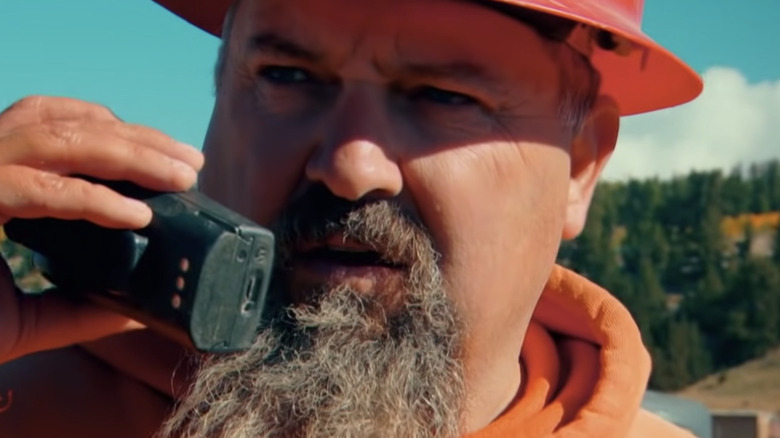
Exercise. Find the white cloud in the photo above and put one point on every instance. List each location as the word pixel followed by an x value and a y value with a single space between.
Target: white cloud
pixel 732 122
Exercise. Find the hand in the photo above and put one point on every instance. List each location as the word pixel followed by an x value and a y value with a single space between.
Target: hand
pixel 43 140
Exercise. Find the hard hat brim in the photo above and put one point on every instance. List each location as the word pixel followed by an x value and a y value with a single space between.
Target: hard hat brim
pixel 647 79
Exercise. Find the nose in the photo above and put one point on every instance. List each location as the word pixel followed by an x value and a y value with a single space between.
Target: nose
pixel 356 156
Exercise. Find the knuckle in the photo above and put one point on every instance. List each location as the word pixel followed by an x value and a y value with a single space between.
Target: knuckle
pixel 46 183
pixel 51 192
pixel 20 112
pixel 103 112
pixel 24 192
pixel 60 134
pixel 45 139
pixel 33 102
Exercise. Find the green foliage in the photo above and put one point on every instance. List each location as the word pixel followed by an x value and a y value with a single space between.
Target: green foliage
pixel 649 240
pixel 20 261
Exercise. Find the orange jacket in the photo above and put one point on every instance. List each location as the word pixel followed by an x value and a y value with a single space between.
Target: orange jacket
pixel 585 370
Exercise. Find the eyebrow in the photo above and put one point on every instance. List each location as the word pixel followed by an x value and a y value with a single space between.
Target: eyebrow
pixel 274 44
pixel 462 72
pixel 458 70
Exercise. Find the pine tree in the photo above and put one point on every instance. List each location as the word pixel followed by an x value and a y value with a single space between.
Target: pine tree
pixel 752 312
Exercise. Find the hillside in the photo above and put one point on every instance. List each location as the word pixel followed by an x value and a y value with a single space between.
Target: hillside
pixel 753 385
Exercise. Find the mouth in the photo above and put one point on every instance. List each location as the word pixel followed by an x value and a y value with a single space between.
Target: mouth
pixel 340 261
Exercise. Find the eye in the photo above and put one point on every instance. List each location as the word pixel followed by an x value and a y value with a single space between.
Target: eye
pixel 443 97
pixel 286 75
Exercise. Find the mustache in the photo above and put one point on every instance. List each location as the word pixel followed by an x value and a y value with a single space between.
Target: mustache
pixel 382 225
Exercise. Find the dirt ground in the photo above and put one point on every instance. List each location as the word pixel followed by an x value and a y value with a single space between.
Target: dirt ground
pixel 753 385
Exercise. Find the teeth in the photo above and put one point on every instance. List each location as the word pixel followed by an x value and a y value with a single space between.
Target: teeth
pixel 345 249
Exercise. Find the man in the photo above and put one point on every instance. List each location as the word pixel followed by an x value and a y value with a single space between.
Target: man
pixel 420 162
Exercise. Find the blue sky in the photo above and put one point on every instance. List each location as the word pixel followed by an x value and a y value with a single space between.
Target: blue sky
pixel 152 68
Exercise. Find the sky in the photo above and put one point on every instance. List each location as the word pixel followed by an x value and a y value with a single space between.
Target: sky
pixel 152 68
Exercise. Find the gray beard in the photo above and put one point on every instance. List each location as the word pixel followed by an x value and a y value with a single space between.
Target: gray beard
pixel 345 366
pixel 344 371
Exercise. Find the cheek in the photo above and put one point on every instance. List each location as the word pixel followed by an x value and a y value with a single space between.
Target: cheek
pixel 255 159
pixel 496 211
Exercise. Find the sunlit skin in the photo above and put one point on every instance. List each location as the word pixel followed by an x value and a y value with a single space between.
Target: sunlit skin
pixel 445 106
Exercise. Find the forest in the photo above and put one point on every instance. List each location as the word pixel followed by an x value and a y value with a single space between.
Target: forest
pixel 694 258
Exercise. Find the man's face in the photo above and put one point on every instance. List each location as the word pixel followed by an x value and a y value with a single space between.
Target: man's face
pixel 432 121
pixel 444 107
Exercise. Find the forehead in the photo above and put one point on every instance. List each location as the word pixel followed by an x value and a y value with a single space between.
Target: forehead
pixel 411 30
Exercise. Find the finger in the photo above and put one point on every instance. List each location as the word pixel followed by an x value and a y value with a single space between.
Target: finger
pixel 95 151
pixel 158 141
pixel 40 109
pixel 29 193
pixel 49 321
pixel 36 110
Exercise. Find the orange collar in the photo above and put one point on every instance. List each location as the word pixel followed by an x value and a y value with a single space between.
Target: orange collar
pixel 586 366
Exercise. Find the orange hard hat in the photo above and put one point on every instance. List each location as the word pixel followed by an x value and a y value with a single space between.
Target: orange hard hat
pixel 636 71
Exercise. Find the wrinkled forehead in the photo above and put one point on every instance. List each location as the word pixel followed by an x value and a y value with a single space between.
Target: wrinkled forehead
pixel 409 29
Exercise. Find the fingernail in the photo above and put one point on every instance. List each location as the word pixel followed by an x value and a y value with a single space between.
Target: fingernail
pixel 192 150
pixel 195 153
pixel 186 145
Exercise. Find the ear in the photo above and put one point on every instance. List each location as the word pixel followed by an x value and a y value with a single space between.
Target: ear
pixel 590 151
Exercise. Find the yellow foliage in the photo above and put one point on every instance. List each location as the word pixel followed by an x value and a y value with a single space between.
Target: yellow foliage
pixel 734 226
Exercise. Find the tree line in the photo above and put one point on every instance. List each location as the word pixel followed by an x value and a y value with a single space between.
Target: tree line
pixel 696 259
